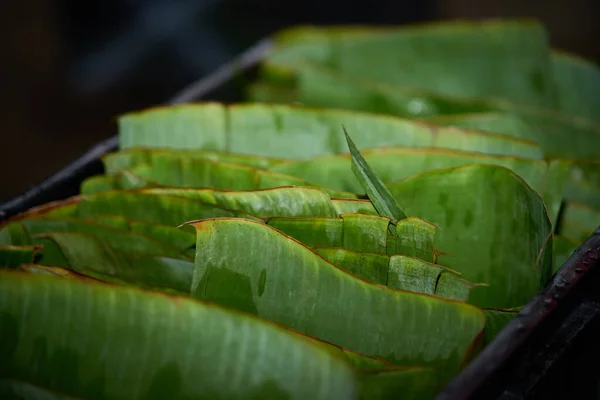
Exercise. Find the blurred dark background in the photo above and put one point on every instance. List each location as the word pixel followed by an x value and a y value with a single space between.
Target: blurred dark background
pixel 70 67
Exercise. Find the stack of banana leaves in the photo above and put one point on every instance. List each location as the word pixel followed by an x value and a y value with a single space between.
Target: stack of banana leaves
pixel 256 250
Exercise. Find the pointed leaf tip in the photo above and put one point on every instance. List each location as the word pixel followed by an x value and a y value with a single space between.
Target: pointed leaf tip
pixel 383 201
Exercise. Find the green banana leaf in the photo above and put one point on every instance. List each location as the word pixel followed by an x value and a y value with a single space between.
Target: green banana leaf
pixel 380 196
pixel 562 248
pixel 133 344
pixel 496 320
pixel 581 181
pixel 120 180
pixel 371 267
pixel 578 85
pixel 362 232
pixel 357 360
pixel 174 171
pixel 128 158
pixel 274 202
pixel 391 163
pixel 506 59
pixel 297 132
pixel 353 206
pixel 451 286
pixel 583 185
pixel 409 383
pixel 11 256
pixel 490 121
pixel 158 205
pixel 136 206
pixel 560 135
pixel 319 86
pixel 122 240
pixel 254 268
pixel 579 221
pixel 54 271
pixel 400 272
pixel 494 229
pixel 547 178
pixel 86 255
pixel 13 234
pixel 182 240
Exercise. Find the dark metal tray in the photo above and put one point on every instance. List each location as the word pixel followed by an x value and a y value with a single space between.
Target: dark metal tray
pixel 550 350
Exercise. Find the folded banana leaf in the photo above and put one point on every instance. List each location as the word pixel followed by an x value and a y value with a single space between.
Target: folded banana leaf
pixel 578 85
pixel 133 344
pixel 583 185
pixel 400 272
pixel 129 209
pixel 128 158
pixel 275 202
pixel 183 240
pixel 285 131
pixel 579 221
pixel 87 255
pixel 506 59
pixel 319 86
pixel 173 171
pixel 392 163
pixel 136 206
pixel 490 121
pixel 120 180
pixel 357 360
pixel 351 206
pixel 54 271
pixel 494 229
pixel 412 383
pixel 11 257
pixel 252 267
pixel 130 242
pixel 362 232
pixel 531 124
pixel 383 201
pixel 560 135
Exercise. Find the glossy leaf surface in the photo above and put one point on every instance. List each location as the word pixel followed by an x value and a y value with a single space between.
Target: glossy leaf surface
pixel 558 134
pixel 383 201
pixel 493 229
pixel 362 232
pixel 506 59
pixel 298 132
pixel 88 256
pixel 171 170
pixel 254 268
pixel 126 159
pixel 126 241
pixel 547 178
pixel 400 272
pixel 139 345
